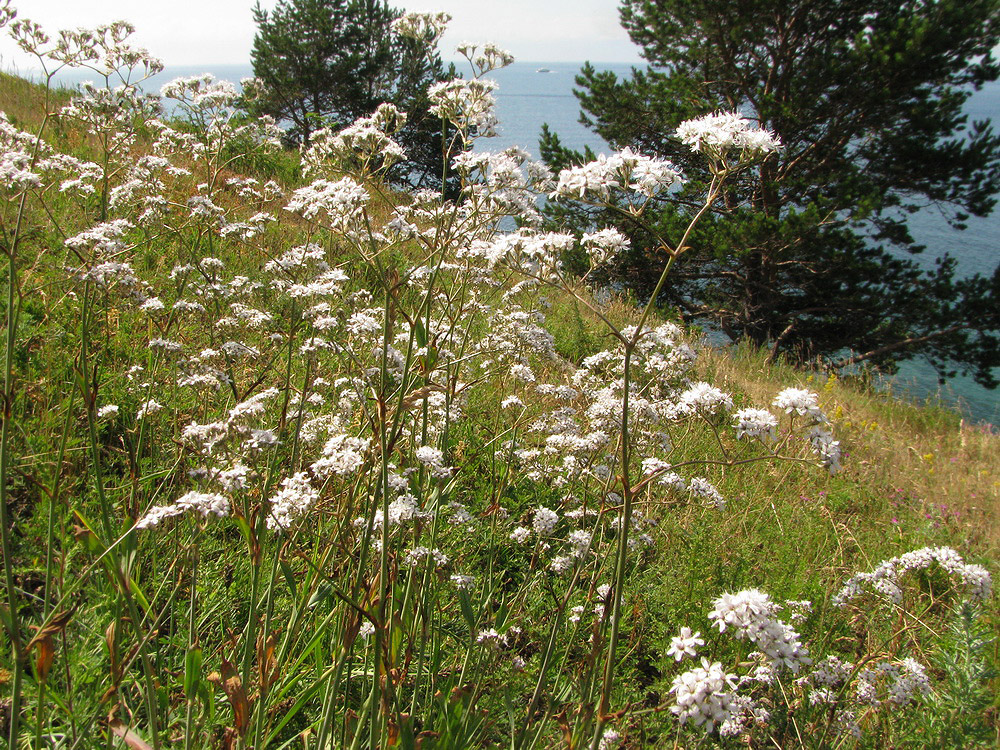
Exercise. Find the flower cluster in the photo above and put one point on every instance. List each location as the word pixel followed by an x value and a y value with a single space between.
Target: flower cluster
pixel 703 695
pixel 715 134
pixel 751 615
pixel 885 580
pixel 625 170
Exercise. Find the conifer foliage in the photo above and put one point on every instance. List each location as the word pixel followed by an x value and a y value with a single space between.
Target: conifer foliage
pixel 809 252
pixel 325 63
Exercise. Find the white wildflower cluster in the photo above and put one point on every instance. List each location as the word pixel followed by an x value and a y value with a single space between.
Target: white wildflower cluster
pixel 468 104
pixel 203 503
pixel 703 695
pixel 417 555
pixel 544 521
pixel 536 254
pixel 745 714
pixel 702 488
pixel 342 455
pixel 892 684
pixel 604 245
pixel 685 645
pixel 365 147
pixel 201 92
pixel 433 460
pixel 423 27
pixel 205 437
pixel 496 639
pixel 338 203
pixel 17 168
pixel 212 106
pixel 110 113
pixel 755 423
pixel 486 58
pixel 292 501
pixel 499 184
pixel 885 581
pixel 798 401
pixel 840 687
pixel 716 134
pixel 609 740
pixel 705 399
pixel 751 615
pixel 625 170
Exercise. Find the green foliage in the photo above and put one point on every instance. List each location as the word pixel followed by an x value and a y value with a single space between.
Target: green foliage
pixel 325 63
pixel 807 253
pixel 955 715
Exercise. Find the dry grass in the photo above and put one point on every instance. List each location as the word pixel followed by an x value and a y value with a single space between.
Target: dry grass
pixel 925 457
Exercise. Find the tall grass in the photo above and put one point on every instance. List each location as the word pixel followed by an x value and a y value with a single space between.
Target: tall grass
pixel 293 460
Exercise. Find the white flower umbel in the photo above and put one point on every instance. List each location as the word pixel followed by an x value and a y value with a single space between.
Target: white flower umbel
pixel 751 614
pixel 703 695
pixel 625 170
pixel 885 580
pixel 433 460
pixel 204 503
pixel 755 423
pixel 293 500
pixel 544 521
pixel 718 133
pixel 799 401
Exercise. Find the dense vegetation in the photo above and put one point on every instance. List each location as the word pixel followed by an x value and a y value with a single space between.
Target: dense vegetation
pixel 810 254
pixel 290 459
pixel 322 64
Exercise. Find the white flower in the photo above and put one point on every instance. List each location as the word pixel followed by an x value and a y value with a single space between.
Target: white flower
pixel 604 245
pixel 433 459
pixel 293 500
pixel 685 645
pixel 755 423
pixel 799 401
pixel 148 407
pixel 512 402
pixel 424 27
pixel 469 104
pixel 204 503
pixel 107 411
pixel 415 555
pixel 342 455
pixel 609 739
pixel 705 398
pixel 544 521
pixel 885 578
pixel 751 614
pixel 717 133
pixel 341 201
pixel 702 695
pixel 520 535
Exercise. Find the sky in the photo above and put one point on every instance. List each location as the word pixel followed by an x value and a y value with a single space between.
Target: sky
pixel 216 32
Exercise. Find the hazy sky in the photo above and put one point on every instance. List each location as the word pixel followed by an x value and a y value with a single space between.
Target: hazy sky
pixel 193 32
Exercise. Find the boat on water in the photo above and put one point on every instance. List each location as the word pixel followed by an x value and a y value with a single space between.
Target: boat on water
pixel 544 70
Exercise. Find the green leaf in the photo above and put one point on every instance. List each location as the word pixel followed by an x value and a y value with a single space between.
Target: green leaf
pixel 192 670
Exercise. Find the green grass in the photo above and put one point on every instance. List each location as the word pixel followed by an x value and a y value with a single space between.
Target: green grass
pixel 913 476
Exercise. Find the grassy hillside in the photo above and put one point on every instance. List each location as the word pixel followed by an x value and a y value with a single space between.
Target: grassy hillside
pixel 292 459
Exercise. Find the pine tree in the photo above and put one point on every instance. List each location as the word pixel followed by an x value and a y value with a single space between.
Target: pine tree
pixel 325 63
pixel 809 254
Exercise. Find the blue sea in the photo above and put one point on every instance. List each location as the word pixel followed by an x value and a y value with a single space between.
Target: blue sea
pixel 533 93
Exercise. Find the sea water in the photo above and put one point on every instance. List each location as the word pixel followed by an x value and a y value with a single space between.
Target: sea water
pixel 533 93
